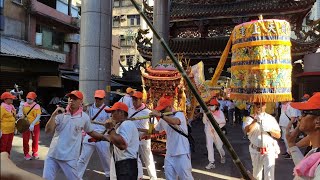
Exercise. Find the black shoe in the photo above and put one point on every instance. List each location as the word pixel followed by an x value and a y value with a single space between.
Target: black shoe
pixel 288 156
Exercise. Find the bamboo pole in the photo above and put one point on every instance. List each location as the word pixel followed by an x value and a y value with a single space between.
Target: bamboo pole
pixel 225 141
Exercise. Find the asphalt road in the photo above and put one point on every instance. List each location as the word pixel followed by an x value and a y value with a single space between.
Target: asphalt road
pixel 199 158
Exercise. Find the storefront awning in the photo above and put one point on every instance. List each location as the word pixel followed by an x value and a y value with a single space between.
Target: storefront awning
pixel 75 77
pixel 18 48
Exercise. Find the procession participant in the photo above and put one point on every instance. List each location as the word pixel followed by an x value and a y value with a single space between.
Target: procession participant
pixel 307 167
pixel 124 137
pixel 287 114
pixel 231 109
pixel 65 146
pixel 127 99
pixel 261 129
pixel 211 134
pixel 96 114
pixel 33 112
pixel 177 160
pixel 139 109
pixel 7 118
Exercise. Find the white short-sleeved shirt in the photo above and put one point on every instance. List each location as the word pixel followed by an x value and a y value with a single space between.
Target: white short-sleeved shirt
pixel 127 99
pixel 128 131
pixel 268 123
pixel 176 144
pixel 66 141
pixel 102 117
pixel 142 124
pixel 291 112
pixel 218 116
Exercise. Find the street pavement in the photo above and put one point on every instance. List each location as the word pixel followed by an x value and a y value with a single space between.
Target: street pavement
pixel 283 169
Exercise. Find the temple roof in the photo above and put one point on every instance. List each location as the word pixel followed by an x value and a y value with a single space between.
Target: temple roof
pixel 202 27
pixel 213 47
pixel 229 9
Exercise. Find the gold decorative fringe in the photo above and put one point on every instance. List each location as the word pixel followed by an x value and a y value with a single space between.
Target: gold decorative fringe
pixel 262 66
pixel 221 63
pixel 261 43
pixel 261 97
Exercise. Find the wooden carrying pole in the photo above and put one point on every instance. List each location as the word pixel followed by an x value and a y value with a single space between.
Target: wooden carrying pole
pixel 225 141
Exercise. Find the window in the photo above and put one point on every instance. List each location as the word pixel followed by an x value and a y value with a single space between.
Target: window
pixel 133 20
pixel 126 40
pixel 52 4
pixel 116 21
pixel 122 58
pixel 124 3
pixel 129 59
pixel 50 39
pixel 116 3
pixel 17 1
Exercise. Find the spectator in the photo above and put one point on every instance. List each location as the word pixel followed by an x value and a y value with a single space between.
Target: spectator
pixel 307 167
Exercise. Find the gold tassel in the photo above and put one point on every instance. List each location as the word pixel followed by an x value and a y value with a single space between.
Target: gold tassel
pixel 221 63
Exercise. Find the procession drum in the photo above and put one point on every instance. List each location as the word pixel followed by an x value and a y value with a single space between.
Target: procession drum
pixel 261 61
pixel 22 125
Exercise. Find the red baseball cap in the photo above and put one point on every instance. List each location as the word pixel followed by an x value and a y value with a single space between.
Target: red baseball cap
pixel 312 104
pixel 7 95
pixel 137 94
pixel 117 106
pixel 31 95
pixel 213 102
pixel 76 93
pixel 163 103
pixel 100 94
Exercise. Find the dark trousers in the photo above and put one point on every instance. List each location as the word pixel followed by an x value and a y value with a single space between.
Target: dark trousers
pixel 127 169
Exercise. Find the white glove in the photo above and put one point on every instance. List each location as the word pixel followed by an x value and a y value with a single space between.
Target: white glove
pixel 31 128
pixel 20 116
pixel 21 103
pixel 20 112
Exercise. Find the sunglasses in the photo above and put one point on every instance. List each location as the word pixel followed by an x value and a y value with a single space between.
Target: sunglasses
pixel 304 113
pixel 98 98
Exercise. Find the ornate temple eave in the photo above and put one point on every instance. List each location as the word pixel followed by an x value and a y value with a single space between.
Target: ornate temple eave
pixel 182 11
pixel 212 48
pixel 187 12
pixel 191 47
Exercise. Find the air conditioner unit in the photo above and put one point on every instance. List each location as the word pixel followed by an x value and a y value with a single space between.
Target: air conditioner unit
pixel 39 39
pixel 122 18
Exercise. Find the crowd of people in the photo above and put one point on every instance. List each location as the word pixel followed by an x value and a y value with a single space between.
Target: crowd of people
pixel 121 135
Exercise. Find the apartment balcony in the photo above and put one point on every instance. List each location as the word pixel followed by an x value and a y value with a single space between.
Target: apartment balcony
pixel 45 11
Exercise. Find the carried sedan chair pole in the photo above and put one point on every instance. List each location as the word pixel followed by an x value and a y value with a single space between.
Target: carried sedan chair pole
pixel 225 141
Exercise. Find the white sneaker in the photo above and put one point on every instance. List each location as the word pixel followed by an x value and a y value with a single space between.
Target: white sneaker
pixel 223 160
pixel 211 165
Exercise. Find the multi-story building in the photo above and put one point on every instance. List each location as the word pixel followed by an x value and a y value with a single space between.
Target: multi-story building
pixel 40 46
pixel 38 38
pixel 126 22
